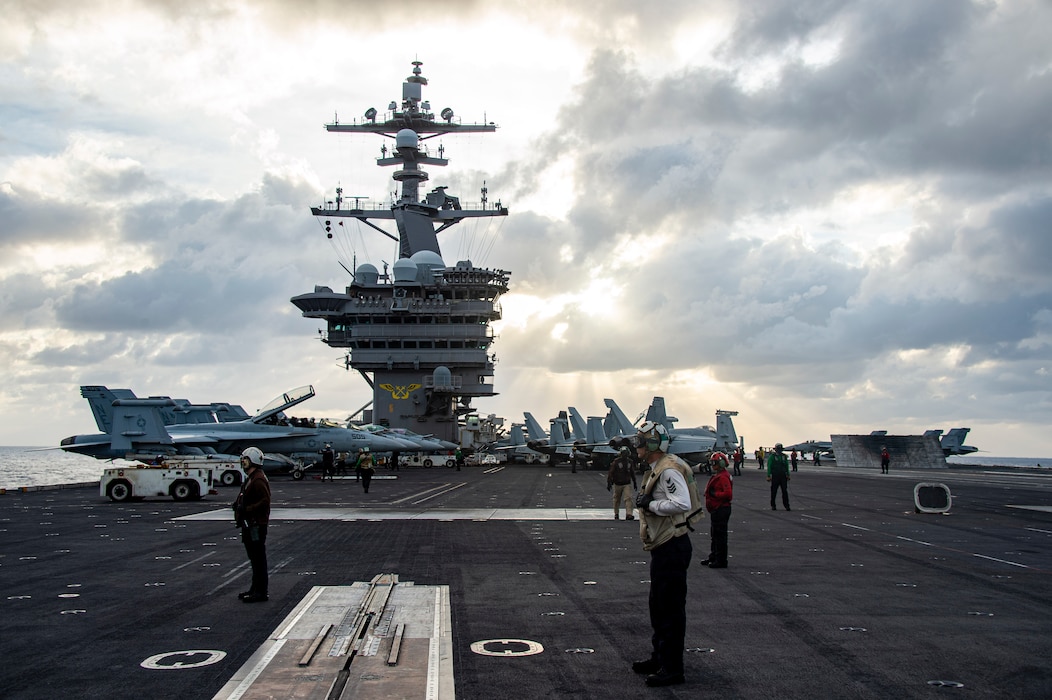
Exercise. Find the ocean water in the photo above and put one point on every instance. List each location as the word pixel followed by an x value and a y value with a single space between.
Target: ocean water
pixel 984 461
pixel 34 466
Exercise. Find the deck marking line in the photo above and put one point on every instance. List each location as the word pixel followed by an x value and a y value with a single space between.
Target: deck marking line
pixel 246 684
pixel 440 493
pixel 926 544
pixel 1003 561
pixel 432 648
pixel 194 561
pixel 419 493
pixel 856 527
pixel 304 606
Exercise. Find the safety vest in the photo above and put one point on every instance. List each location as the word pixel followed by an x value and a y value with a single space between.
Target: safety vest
pixel 656 530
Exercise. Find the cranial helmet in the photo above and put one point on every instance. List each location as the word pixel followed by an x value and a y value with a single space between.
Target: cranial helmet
pixel 654 436
pixel 625 451
pixel 254 455
pixel 717 457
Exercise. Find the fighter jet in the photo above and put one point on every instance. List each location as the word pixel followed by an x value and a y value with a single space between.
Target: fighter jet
pixel 413 442
pixel 101 399
pixel 952 443
pixel 558 444
pixel 138 427
pixel 811 446
pixel 695 444
pixel 515 446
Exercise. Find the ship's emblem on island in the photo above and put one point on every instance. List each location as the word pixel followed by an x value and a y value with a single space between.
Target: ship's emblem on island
pixel 426 324
pixel 400 392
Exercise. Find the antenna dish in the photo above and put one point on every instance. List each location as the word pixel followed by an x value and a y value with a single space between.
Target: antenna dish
pixel 447 114
pixel 370 114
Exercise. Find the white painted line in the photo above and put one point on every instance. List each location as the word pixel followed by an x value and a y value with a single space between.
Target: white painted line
pixel 230 577
pixel 856 527
pixel 926 544
pixel 246 684
pixel 194 561
pixel 233 571
pixel 304 606
pixel 433 663
pixel 1037 529
pixel 1003 561
pixel 440 493
pixel 420 493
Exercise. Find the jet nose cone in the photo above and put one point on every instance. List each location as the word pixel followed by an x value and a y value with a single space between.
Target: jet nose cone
pixel 389 444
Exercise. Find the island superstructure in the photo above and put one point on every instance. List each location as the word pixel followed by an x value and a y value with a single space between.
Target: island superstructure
pixel 421 334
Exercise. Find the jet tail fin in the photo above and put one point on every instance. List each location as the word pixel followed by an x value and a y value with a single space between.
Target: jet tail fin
pixel 101 401
pixel 559 434
pixel 595 432
pixel 656 413
pixel 726 436
pixel 624 426
pixel 138 421
pixel 533 428
pixel 953 442
pixel 580 428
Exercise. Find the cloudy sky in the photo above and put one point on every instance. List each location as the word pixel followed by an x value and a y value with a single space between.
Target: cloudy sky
pixel 831 216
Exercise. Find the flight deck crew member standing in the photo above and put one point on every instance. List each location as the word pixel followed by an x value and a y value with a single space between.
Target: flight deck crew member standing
pixel 792 459
pixel 739 459
pixel 366 469
pixel 885 460
pixel 328 462
pixel 252 510
pixel 778 475
pixel 621 481
pixel 718 494
pixel 664 503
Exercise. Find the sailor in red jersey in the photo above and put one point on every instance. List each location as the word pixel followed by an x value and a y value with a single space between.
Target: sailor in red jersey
pixel 718 494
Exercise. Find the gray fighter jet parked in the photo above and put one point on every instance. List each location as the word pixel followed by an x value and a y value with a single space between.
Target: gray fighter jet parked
pixel 101 399
pixel 138 428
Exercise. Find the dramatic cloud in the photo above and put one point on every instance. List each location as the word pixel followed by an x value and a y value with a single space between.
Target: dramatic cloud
pixel 829 215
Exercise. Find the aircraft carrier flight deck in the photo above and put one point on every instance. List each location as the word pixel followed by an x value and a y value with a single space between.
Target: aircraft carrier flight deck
pixel 516 582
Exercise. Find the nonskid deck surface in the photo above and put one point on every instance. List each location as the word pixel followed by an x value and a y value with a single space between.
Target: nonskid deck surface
pixel 850 594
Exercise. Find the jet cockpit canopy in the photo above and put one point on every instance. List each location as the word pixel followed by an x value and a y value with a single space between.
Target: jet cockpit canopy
pixel 285 401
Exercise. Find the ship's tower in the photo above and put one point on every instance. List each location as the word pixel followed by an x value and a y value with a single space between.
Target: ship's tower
pixel 421 336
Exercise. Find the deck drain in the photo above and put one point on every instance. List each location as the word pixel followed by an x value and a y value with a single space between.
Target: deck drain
pixel 946 684
pixel 580 650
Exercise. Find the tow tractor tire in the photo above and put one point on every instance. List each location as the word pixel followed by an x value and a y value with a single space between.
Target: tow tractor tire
pixel 428 464
pixel 297 474
pixel 450 463
pixel 119 491
pixel 184 490
pixel 230 478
